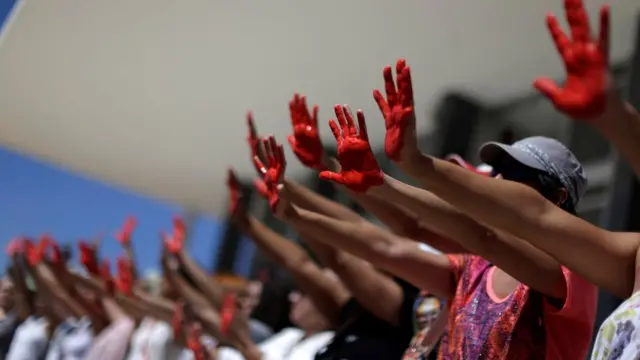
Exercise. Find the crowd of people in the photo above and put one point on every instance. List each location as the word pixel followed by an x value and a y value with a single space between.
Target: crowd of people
pixel 514 275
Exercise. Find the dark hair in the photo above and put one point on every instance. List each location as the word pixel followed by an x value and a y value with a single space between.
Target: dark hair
pixel 274 306
pixel 66 252
pixel 546 184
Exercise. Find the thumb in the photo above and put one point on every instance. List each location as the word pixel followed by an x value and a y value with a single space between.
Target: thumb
pixel 261 188
pixel 332 176
pixel 547 87
pixel 292 142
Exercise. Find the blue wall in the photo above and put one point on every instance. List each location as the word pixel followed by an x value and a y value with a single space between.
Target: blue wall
pixel 5 9
pixel 36 198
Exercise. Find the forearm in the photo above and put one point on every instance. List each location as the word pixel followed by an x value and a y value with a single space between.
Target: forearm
pixel 436 215
pixel 521 211
pixel 209 288
pixel 132 258
pixel 190 294
pixel 405 223
pixel 621 125
pixel 326 294
pixel 24 300
pixel 156 306
pixel 375 291
pixel 45 278
pixel 519 259
pixel 371 243
pixel 307 199
pixel 278 248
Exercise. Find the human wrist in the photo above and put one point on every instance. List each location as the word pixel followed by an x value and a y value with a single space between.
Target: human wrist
pixel 613 119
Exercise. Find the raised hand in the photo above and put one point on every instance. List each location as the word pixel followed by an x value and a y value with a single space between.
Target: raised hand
pixel 32 253
pixel 124 278
pixel 15 247
pixel 398 111
pixel 177 319
pixel 254 140
pixel 175 241
pixel 55 256
pixel 194 344
pixel 89 257
pixel 273 172
pixel 105 274
pixel 228 312
pixel 124 235
pixel 305 140
pixel 584 94
pixel 360 170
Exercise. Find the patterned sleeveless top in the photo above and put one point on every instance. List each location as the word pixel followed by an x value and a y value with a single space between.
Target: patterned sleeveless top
pixel 483 327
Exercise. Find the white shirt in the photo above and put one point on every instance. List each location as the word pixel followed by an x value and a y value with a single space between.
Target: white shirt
pixel 288 344
pixel 153 340
pixel 71 340
pixel 30 340
pixel 619 335
pixel 207 342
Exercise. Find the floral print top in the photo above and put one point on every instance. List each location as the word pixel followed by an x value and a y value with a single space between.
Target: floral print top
pixel 619 335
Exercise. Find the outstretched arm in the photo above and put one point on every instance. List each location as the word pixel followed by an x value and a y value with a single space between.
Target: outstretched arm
pixel 574 242
pixel 175 245
pixel 518 258
pixel 206 313
pixel 398 219
pixel 124 237
pixel 371 242
pixel 306 144
pixel 212 291
pixel 328 296
pixel 589 94
pixel 361 173
pixel 350 269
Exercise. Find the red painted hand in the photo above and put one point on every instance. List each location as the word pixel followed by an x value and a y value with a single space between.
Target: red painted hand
pixel 124 279
pixel 32 253
pixel 305 140
pixel 88 257
pixel 177 320
pixel 194 343
pixel 360 170
pixel 273 173
pixel 15 247
pixel 124 235
pixel 105 274
pixel 584 95
pixel 397 110
pixel 55 257
pixel 229 310
pixel 175 241
pixel 261 188
pixel 253 139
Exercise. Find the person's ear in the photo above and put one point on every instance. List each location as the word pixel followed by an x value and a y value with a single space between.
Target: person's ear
pixel 561 196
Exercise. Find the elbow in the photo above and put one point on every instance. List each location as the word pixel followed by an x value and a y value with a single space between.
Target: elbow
pixel 535 209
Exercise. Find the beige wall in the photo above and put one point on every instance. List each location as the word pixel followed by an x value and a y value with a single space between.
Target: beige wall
pixel 151 94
